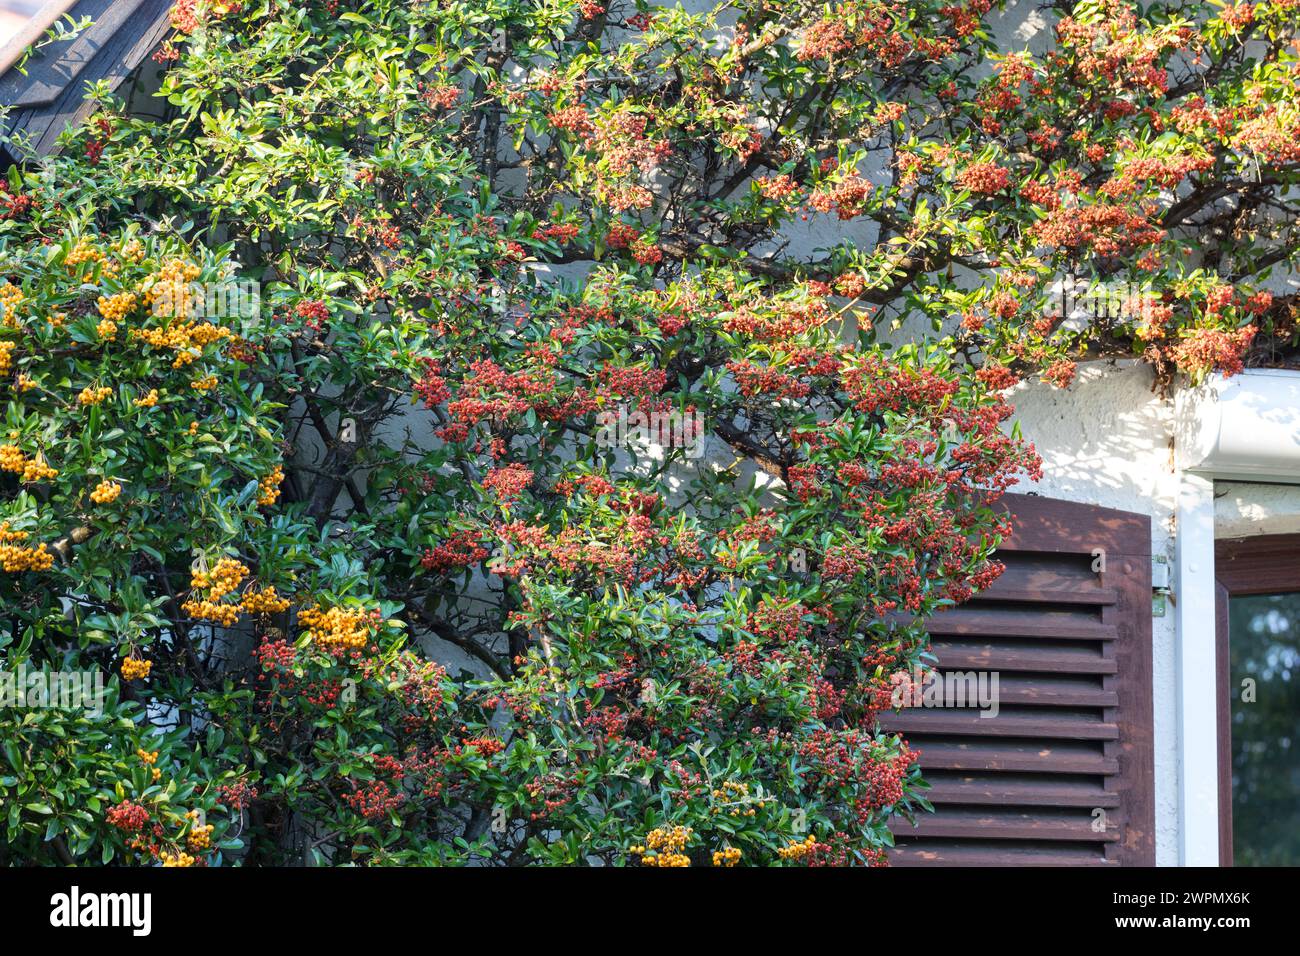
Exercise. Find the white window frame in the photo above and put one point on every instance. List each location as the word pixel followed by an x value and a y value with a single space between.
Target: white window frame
pixel 1244 428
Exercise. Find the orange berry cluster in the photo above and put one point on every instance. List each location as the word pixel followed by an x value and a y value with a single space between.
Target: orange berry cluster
pixel 266 601
pixel 6 357
pixel 133 668
pixel 221 580
pixel 269 487
pixel 336 627
pixel 185 340
pixel 207 383
pixel 30 469
pixel 83 251
pixel 105 492
pixel 200 837
pixel 149 758
pixel 218 582
pixel 179 858
pixel 16 557
pixel 223 614
pixel 38 470
pixel 10 298
pixel 728 857
pixel 167 290
pixel 665 847
pixel 93 396
pixel 115 308
pixel 149 401
pixel 735 800
pixel 798 850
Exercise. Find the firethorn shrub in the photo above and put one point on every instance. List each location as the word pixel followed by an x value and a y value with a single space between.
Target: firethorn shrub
pixel 363 580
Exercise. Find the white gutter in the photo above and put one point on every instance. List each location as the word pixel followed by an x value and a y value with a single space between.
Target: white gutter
pixel 1245 427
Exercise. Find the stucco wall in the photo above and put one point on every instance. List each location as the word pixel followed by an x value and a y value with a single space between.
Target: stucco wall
pixel 1243 509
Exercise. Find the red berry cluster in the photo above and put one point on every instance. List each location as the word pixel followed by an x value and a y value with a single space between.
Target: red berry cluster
pixel 984 178
pixel 278 656
pixel 238 795
pixel 375 800
pixel 508 483
pixel 127 816
pixel 13 205
pixel 461 549
pixel 313 314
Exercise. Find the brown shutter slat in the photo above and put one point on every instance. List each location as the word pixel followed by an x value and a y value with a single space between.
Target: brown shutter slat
pixel 981 824
pixel 1062 776
pixel 1039 757
pixel 1046 627
pixel 1054 578
pixel 958 723
pixel 992 853
pixel 1053 595
pixel 991 658
pixel 1050 690
pixel 1021 790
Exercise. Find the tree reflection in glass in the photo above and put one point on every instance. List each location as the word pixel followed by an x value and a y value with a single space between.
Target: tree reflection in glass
pixel 1264 641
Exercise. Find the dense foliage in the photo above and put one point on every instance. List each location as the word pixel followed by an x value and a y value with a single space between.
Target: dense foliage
pixel 371 580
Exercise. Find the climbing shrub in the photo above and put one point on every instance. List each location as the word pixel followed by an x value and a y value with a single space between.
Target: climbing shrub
pixel 560 500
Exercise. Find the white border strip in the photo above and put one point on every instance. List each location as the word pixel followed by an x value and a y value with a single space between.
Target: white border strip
pixel 1194 616
pixel 1246 427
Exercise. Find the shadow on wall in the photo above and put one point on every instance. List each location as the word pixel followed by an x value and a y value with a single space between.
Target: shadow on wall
pixel 1105 440
pixel 1244 509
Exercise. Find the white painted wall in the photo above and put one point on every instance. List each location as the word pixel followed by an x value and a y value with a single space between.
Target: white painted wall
pixel 1243 509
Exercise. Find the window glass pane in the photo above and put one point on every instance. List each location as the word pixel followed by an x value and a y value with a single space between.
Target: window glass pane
pixel 1264 644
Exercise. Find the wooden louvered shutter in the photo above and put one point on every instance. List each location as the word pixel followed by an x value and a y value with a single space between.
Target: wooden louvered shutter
pixel 1072 648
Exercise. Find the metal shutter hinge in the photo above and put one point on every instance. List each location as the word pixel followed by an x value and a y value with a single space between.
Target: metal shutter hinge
pixel 1159 584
